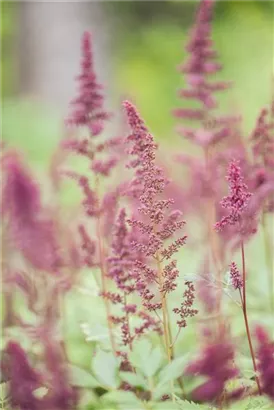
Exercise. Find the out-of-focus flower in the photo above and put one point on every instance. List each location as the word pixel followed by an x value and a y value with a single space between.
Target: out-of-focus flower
pixel 23 379
pixel 200 66
pixel 30 230
pixel 265 356
pixel 215 363
pixel 262 175
pixel 263 140
pixel 61 395
pixel 88 247
pixel 88 105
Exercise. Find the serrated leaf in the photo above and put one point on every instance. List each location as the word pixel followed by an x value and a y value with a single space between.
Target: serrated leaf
pixel 81 378
pixel 134 379
pixel 105 367
pixel 190 405
pixel 3 393
pixel 166 405
pixel 252 403
pixel 145 358
pixel 173 370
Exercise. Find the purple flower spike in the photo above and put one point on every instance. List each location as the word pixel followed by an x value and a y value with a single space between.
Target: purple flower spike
pixel 30 231
pixel 216 363
pixel 88 105
pixel 238 199
pixel 265 356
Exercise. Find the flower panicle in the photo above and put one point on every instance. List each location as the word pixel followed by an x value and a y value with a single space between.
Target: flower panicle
pixel 238 199
pixel 157 224
pixel 235 276
pixel 88 105
pixel 186 310
pixel 121 269
pixel 199 68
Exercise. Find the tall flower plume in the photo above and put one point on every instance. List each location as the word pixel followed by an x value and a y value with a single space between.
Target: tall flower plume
pixel 200 66
pixel 88 105
pixel 89 112
pixel 158 225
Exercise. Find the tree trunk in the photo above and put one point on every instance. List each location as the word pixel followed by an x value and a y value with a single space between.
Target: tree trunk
pixel 49 48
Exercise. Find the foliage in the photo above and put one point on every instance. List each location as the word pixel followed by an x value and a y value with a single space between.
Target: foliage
pixel 91 284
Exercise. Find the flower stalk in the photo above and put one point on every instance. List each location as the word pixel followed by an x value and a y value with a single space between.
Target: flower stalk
pixel 244 308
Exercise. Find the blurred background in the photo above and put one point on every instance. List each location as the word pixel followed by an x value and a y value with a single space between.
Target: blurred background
pixel 138 46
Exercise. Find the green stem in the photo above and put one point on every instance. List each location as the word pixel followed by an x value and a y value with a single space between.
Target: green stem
pixel 243 299
pixel 269 261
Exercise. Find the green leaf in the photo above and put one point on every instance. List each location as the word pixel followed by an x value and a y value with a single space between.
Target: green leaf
pixel 134 379
pixel 88 400
pixel 166 405
pixel 123 398
pixel 252 403
pixel 105 367
pixel 81 378
pixel 173 370
pixel 95 333
pixel 40 392
pixel 190 405
pixel 3 394
pixel 153 362
pixel 146 358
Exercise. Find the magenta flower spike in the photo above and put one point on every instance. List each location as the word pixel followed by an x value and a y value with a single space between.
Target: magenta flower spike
pixel 30 230
pixel 88 105
pixel 201 65
pixel 265 356
pixel 238 199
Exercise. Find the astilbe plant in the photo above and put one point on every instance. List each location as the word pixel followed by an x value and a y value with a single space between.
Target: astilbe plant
pixel 200 66
pixel 236 204
pixel 89 114
pixel 157 225
pixel 121 270
pixel 130 228
pixel 262 139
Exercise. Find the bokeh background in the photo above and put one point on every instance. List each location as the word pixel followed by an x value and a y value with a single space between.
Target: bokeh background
pixel 138 46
